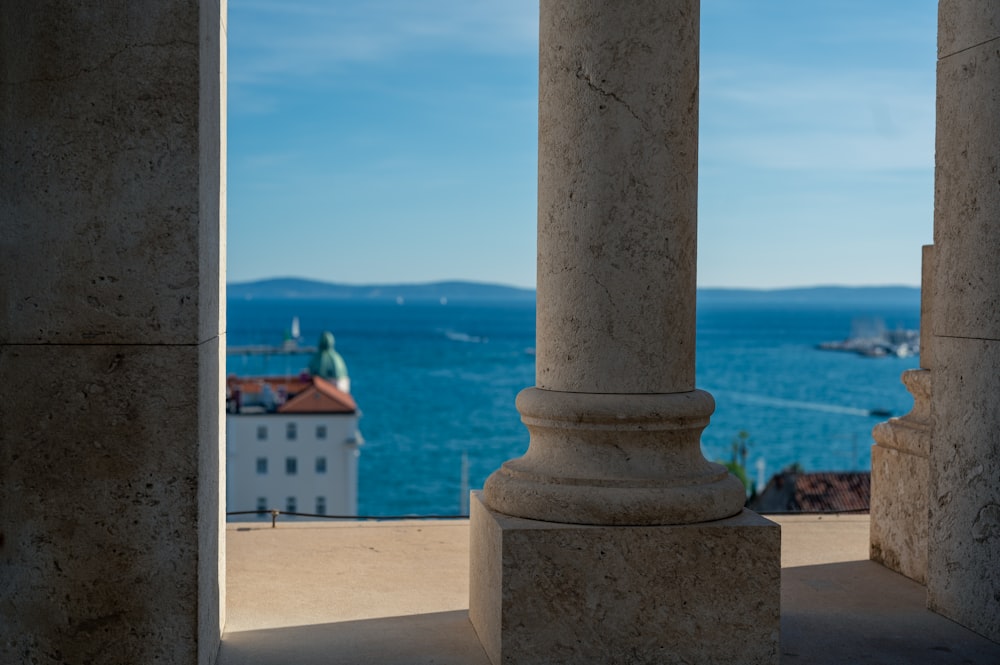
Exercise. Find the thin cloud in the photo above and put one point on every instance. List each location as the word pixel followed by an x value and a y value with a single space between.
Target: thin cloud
pixel 784 118
pixel 321 36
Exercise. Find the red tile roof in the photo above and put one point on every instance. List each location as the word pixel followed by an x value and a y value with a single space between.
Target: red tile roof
pixel 821 492
pixel 255 385
pixel 842 492
pixel 303 394
pixel 320 397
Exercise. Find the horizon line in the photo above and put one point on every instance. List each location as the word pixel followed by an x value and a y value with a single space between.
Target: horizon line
pixel 532 288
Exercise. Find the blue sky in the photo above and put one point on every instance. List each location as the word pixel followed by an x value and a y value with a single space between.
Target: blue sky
pixel 379 141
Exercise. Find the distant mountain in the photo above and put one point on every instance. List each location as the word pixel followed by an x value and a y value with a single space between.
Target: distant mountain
pixel 293 288
pixel 456 291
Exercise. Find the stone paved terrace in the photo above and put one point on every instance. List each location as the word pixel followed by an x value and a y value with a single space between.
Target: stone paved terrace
pixel 397 592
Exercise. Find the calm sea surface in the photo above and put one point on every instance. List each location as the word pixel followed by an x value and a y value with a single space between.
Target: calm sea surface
pixel 435 382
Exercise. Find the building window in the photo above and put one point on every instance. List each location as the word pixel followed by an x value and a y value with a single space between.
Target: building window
pixel 290 506
pixel 261 465
pixel 321 505
pixel 261 504
pixel 320 431
pixel 291 466
pixel 291 431
pixel 320 465
pixel 262 432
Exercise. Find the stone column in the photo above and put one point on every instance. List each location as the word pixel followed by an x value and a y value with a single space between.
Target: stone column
pixel 963 551
pixel 111 331
pixel 900 459
pixel 613 534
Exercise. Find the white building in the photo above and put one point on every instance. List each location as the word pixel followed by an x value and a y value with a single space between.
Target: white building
pixel 291 445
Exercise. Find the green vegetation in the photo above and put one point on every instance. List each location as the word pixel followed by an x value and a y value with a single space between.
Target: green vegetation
pixel 737 464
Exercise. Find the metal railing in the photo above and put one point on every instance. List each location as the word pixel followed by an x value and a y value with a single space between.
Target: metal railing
pixel 274 513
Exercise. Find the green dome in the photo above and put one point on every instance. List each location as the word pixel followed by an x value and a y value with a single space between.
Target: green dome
pixel 327 363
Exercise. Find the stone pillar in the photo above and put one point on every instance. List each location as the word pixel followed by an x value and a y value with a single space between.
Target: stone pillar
pixel 900 459
pixel 111 331
pixel 613 535
pixel 963 551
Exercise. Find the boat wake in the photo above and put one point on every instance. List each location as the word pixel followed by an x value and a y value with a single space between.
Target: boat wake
pixel 777 402
pixel 464 337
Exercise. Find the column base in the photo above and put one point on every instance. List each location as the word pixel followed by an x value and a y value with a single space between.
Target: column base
pixel 614 459
pixel 544 592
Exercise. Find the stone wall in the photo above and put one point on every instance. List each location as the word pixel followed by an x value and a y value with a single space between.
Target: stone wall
pixel 111 330
pixel 963 576
pixel 900 459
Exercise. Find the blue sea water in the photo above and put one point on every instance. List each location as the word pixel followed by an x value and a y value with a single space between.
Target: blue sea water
pixel 436 382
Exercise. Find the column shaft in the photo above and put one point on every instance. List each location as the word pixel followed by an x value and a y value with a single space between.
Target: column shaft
pixel 617 197
pixel 615 420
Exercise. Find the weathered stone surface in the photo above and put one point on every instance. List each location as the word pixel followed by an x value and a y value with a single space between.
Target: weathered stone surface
pixel 967 193
pixel 614 459
pixel 112 262
pixel 210 499
pixel 899 483
pixel 910 433
pixel 963 24
pixel 104 453
pixel 213 70
pixel 110 182
pixel 899 511
pixel 617 196
pixel 963 551
pixel 928 290
pixel 555 593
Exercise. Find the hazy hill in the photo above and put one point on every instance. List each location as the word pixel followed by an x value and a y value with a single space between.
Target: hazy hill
pixel 292 288
pixel 457 291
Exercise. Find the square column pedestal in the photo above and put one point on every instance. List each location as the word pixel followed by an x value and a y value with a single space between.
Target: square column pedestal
pixel 543 592
pixel 899 517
